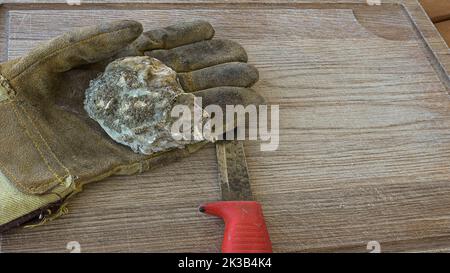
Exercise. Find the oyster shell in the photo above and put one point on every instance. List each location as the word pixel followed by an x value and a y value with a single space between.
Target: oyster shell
pixel 132 101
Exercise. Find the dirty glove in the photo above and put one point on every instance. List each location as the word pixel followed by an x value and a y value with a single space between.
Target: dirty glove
pixel 49 146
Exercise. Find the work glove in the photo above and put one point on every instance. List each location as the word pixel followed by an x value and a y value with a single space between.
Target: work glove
pixel 50 147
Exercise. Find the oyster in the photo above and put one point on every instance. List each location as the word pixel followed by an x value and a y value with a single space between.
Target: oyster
pixel 132 101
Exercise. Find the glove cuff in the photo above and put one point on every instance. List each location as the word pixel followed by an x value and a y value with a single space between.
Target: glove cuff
pixel 6 90
pixel 27 159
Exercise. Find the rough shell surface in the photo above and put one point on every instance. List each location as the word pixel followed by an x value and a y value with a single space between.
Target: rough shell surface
pixel 132 101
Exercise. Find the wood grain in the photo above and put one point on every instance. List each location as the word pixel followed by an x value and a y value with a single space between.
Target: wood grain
pixel 364 142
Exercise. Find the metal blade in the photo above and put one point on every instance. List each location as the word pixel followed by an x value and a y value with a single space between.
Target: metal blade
pixel 233 173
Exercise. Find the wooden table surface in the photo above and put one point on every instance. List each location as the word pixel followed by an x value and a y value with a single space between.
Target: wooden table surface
pixel 364 131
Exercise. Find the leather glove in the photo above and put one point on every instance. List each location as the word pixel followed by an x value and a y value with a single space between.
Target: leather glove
pixel 49 146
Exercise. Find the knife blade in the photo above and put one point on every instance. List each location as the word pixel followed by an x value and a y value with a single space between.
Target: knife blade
pixel 245 227
pixel 233 171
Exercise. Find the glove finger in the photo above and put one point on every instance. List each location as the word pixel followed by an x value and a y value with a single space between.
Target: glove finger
pixel 79 47
pixel 229 95
pixel 200 55
pixel 227 74
pixel 182 33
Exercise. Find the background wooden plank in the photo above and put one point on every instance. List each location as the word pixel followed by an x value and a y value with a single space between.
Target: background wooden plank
pixel 364 145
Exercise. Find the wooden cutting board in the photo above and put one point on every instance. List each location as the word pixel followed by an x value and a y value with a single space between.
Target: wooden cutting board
pixel 364 150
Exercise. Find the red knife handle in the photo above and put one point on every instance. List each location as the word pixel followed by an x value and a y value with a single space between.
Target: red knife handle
pixel 245 228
